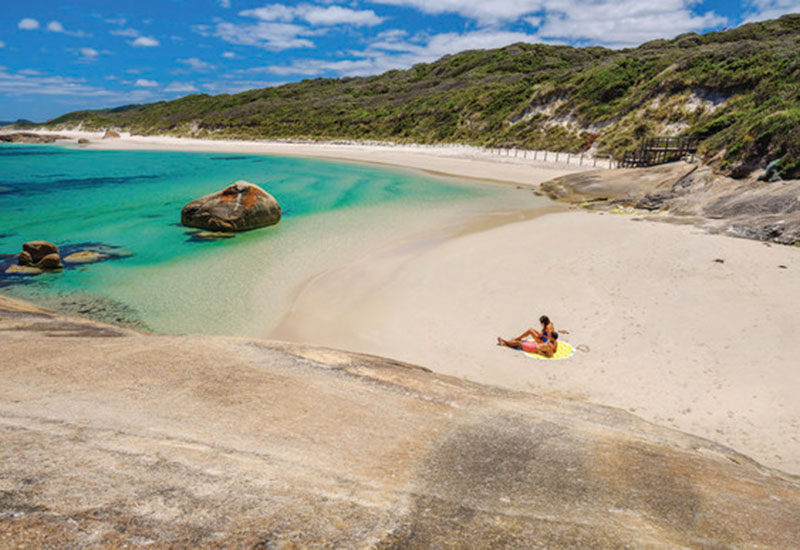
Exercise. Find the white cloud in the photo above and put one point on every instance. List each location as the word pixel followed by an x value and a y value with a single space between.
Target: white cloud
pixel 229 55
pixel 760 10
pixel 225 3
pixel 30 83
pixel 2 44
pixel 130 33
pixel 145 42
pixel 144 83
pixel 273 12
pixel 391 51
pixel 120 21
pixel 337 15
pixel 196 64
pixel 28 24
pixel 236 86
pixel 533 21
pixel 183 87
pixel 88 54
pixel 608 22
pixel 622 23
pixel 270 36
pixel 483 11
pixel 56 26
pixel 315 15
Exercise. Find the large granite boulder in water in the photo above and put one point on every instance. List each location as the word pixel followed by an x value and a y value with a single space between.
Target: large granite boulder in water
pixel 238 207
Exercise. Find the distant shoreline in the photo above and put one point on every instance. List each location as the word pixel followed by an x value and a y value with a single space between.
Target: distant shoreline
pixel 457 161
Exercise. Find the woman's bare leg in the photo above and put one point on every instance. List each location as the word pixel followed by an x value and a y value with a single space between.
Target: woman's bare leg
pixel 533 333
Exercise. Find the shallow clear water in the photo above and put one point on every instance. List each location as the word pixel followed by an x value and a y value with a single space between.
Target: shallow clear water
pixel 167 281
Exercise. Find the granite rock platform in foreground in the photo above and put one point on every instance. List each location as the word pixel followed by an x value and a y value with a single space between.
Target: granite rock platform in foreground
pixel 111 438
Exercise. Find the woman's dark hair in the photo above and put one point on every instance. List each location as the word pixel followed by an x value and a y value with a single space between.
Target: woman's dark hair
pixel 554 335
pixel 544 319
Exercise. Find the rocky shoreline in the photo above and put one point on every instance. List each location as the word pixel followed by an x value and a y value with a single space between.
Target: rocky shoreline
pixel 690 193
pixel 30 137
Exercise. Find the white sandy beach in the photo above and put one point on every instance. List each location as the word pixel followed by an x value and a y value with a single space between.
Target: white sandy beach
pixel 462 161
pixel 665 330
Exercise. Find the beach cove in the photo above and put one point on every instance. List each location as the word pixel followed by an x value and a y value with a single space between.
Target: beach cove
pixel 167 278
pixel 664 330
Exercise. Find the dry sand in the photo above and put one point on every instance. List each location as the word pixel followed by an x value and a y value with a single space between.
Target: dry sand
pixel 462 161
pixel 668 332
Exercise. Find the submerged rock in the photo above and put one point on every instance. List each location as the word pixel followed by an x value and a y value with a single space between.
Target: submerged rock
pixel 210 235
pixel 238 207
pixel 23 270
pixel 85 257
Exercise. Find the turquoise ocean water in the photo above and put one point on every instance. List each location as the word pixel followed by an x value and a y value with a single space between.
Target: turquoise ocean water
pixel 162 278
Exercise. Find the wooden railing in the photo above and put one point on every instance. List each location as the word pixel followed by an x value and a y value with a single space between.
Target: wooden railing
pixel 659 150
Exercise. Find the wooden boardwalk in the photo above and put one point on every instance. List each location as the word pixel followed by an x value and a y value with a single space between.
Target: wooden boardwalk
pixel 658 150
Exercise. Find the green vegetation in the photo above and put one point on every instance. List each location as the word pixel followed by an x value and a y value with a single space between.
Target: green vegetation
pixel 737 90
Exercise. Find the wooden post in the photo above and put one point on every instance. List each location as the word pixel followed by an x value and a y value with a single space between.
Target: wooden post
pixel 556 156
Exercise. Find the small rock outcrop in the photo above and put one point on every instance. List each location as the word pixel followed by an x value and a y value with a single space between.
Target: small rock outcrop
pixel 83 141
pixel 37 256
pixel 238 207
pixel 23 270
pixel 30 137
pixel 766 211
pixel 210 235
pixel 110 134
pixel 84 257
pixel 41 254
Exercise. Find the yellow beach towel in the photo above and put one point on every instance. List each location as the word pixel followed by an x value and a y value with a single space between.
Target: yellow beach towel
pixel 564 351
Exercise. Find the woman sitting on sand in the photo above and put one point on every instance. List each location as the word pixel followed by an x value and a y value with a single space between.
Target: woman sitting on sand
pixel 547 348
pixel 540 336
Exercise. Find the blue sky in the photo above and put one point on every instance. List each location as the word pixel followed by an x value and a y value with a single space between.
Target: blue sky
pixel 62 56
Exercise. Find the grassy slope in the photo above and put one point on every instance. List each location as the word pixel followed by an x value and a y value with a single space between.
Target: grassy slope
pixel 738 90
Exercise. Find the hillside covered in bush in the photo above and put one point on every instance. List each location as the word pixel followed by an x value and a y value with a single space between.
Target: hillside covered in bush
pixel 737 90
